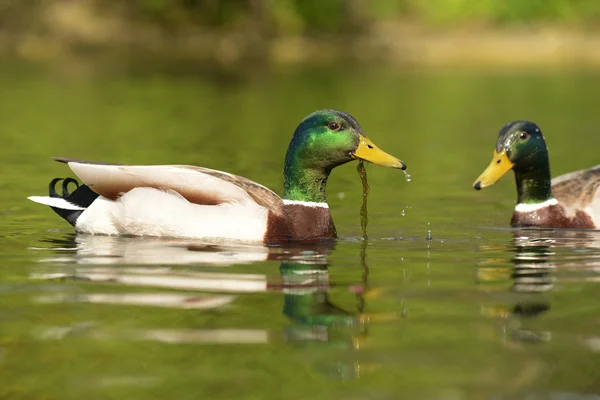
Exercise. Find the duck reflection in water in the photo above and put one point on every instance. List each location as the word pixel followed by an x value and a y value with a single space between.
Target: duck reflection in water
pixel 538 256
pixel 316 321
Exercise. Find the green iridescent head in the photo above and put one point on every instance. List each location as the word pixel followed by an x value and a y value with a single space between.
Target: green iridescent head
pixel 322 141
pixel 520 147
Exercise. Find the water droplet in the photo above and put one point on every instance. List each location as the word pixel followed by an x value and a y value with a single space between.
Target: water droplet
pixel 429 232
pixel 407 176
pixel 403 213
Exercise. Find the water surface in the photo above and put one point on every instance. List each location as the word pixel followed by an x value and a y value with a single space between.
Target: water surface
pixel 480 311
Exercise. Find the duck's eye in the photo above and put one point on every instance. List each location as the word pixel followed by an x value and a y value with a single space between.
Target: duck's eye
pixel 524 135
pixel 334 126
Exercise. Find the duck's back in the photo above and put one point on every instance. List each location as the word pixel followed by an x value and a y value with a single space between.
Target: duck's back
pixel 580 191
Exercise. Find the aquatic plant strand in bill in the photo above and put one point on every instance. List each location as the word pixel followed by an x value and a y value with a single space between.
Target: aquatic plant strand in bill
pixel 364 218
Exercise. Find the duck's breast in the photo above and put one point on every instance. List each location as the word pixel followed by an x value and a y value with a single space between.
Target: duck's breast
pixel 551 214
pixel 300 221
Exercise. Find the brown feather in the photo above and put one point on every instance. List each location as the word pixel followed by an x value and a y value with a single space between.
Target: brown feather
pixel 112 180
pixel 259 193
pixel 577 189
pixel 554 216
pixel 300 222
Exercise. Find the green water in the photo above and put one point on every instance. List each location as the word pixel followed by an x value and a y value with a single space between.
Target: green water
pixel 477 312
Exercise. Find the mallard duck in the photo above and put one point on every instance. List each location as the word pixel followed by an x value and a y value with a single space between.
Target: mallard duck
pixel 195 202
pixel 568 201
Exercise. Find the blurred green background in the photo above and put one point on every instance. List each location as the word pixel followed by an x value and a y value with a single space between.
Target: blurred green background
pixel 232 32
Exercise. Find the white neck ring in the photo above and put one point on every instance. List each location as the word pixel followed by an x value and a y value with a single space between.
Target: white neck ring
pixel 524 207
pixel 306 203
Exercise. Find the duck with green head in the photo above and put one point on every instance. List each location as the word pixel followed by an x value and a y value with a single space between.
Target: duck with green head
pixel 568 201
pixel 196 202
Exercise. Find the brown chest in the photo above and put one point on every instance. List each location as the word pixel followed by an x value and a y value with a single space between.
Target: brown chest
pixel 553 216
pixel 300 222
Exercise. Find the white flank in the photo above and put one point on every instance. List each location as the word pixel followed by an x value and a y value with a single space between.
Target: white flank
pixel 153 212
pixel 593 209
pixel 307 203
pixel 56 202
pixel 98 218
pixel 524 207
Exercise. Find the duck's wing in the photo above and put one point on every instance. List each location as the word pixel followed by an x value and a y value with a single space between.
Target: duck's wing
pixel 578 189
pixel 196 184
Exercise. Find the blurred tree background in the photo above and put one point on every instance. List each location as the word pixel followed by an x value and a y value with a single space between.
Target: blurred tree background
pixel 232 31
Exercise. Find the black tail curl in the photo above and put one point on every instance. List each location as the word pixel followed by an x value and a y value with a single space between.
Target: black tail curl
pixel 82 196
pixel 65 187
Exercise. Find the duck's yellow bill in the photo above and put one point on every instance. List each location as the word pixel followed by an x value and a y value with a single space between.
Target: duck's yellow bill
pixel 499 166
pixel 369 152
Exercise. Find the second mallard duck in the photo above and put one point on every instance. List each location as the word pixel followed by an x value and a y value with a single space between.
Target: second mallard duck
pixel 568 201
pixel 196 202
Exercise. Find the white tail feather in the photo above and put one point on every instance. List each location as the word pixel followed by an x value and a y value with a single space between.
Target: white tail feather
pixel 55 202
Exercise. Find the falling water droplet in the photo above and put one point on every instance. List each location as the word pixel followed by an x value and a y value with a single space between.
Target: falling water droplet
pixel 429 232
pixel 403 213
pixel 407 176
